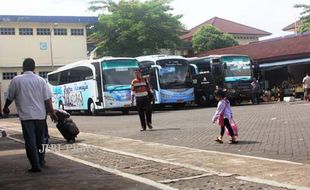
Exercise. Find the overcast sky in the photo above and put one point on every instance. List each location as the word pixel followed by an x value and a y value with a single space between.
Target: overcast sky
pixel 268 15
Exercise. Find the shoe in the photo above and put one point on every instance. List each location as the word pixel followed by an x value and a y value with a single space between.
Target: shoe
pixel 34 170
pixel 218 140
pixel 150 125
pixel 233 142
pixel 143 129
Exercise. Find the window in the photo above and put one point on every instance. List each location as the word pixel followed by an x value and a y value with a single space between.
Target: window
pixel 69 76
pixel 77 32
pixel 60 31
pixel 8 75
pixel 7 31
pixel 43 31
pixel 53 79
pixel 146 66
pixel 25 31
pixel 43 74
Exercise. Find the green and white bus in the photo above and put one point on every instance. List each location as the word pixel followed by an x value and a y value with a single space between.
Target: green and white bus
pixel 93 85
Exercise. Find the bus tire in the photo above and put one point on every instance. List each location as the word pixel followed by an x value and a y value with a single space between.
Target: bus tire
pixel 125 112
pixel 61 106
pixel 91 108
pixel 202 100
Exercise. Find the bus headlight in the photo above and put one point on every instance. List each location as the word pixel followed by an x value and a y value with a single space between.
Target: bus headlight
pixel 109 98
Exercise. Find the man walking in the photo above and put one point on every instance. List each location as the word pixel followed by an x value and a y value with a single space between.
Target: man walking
pixel 140 90
pixel 33 99
pixel 306 83
pixel 255 91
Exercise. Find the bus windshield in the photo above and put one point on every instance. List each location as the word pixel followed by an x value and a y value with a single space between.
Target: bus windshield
pixel 173 73
pixel 237 67
pixel 118 74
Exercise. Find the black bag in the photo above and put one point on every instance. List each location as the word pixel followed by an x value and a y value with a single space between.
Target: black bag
pixel 66 126
pixel 149 92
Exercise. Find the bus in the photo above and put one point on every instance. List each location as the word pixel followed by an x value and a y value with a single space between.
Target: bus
pixel 230 72
pixel 169 77
pixel 93 85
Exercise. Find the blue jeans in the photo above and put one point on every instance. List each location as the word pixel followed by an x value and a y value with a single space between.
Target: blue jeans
pixel 34 136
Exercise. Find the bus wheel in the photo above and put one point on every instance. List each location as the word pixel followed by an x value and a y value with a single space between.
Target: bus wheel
pixel 61 106
pixel 91 108
pixel 203 102
pixel 125 112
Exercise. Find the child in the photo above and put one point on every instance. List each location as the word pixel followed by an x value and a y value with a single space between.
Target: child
pixel 223 112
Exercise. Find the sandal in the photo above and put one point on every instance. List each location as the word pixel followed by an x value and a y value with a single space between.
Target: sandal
pixel 218 140
pixel 233 142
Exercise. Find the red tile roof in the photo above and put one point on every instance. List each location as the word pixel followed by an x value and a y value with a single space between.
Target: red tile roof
pixel 292 26
pixel 270 50
pixel 227 27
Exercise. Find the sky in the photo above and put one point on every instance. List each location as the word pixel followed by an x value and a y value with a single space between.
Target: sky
pixel 268 15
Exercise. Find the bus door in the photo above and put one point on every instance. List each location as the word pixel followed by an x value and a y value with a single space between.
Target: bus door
pixel 99 83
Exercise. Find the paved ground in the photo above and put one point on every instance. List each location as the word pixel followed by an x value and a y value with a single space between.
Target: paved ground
pixel 280 131
pixel 60 173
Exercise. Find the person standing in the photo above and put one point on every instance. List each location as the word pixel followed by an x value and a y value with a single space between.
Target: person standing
pixel 306 83
pixel 140 92
pixel 224 113
pixel 31 94
pixel 255 91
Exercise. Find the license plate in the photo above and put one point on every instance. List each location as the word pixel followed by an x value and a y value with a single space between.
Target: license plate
pixel 127 105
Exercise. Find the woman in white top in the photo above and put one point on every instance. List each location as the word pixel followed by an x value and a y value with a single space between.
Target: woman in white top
pixel 223 111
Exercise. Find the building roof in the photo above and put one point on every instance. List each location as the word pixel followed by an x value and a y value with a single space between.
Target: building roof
pixel 292 26
pixel 48 19
pixel 227 27
pixel 291 47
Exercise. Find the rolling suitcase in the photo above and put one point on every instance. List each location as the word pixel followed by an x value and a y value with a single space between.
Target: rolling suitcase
pixel 66 126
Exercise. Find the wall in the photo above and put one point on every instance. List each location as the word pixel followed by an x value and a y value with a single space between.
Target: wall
pixel 66 49
pixel 15 48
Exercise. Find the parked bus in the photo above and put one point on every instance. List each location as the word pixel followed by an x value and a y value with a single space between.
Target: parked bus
pixel 169 76
pixel 231 72
pixel 93 85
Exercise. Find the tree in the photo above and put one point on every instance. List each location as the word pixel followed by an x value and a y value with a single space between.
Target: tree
pixel 209 37
pixel 133 27
pixel 305 18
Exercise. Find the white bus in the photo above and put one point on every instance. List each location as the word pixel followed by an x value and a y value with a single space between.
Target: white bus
pixel 169 77
pixel 93 85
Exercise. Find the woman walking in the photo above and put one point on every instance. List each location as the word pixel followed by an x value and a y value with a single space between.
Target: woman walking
pixel 140 91
pixel 224 116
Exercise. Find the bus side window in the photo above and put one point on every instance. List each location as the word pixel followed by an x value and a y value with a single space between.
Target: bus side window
pixel 53 79
pixel 153 79
pixel 64 77
pixel 145 66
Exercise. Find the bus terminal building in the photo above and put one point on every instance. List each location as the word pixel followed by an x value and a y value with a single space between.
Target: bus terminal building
pixel 280 60
pixel 52 41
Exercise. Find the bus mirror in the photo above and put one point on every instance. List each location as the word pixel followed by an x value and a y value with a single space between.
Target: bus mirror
pixel 225 66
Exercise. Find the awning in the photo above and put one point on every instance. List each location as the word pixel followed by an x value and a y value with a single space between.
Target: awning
pixel 279 64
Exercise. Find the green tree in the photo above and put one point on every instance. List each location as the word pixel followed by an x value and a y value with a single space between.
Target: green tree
pixel 305 18
pixel 209 37
pixel 133 27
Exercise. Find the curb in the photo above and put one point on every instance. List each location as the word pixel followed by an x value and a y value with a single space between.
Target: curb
pixel 2 133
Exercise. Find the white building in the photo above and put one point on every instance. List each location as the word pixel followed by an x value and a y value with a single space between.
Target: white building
pixel 52 41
